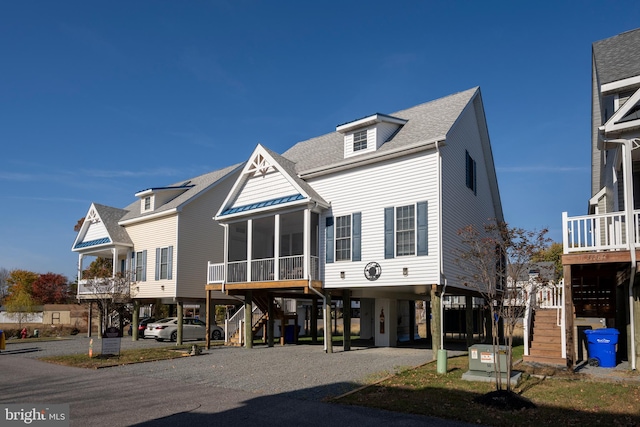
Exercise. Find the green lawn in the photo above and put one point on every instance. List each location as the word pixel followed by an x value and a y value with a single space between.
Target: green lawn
pixel 564 399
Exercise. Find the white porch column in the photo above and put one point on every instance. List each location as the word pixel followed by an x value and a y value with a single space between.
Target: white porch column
pixel 114 258
pixel 249 248
pixel 276 247
pixel 225 255
pixel 80 259
pixel 307 243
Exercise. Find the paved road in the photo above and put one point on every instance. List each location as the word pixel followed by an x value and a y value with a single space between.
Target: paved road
pixel 283 386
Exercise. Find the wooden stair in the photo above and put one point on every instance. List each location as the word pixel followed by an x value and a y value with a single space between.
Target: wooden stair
pixel 262 302
pixel 546 343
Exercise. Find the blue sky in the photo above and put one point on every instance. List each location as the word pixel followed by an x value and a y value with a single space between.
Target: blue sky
pixel 99 100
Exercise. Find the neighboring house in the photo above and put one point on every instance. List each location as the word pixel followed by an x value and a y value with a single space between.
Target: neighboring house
pixel 50 314
pixel 600 249
pixel 159 243
pixel 369 212
pixel 21 317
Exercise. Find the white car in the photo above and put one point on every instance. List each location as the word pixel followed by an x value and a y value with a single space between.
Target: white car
pixel 192 329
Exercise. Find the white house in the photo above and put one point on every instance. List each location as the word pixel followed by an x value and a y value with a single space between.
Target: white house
pixel 369 212
pixel 159 243
pixel 600 248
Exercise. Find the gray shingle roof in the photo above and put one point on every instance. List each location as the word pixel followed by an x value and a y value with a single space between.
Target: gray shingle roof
pixel 197 186
pixel 618 57
pixel 426 122
pixel 290 168
pixel 110 217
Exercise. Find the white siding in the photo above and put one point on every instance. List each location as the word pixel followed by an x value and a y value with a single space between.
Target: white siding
pixel 149 235
pixel 460 206
pixel 348 143
pixel 376 136
pixel 201 239
pixel 385 130
pixel 259 188
pixel 95 231
pixel 369 190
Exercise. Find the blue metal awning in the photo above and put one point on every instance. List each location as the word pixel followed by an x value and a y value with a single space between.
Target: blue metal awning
pixel 263 204
pixel 93 243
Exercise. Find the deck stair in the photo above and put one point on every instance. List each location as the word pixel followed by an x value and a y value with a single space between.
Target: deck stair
pixel 260 317
pixel 546 341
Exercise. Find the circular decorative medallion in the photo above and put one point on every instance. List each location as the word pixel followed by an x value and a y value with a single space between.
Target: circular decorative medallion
pixel 372 271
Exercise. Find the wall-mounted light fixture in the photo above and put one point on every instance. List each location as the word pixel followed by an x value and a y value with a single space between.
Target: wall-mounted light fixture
pixel 342 274
pixel 405 271
pixel 162 287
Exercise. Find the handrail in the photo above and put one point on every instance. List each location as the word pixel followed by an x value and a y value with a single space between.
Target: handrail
pixel 232 325
pixel 598 232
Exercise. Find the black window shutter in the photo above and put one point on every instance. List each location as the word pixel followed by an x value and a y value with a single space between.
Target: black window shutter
pixel 389 250
pixel 329 236
pixel 356 234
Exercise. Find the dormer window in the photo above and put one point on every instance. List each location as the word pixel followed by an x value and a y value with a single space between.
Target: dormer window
pixel 368 134
pixel 360 140
pixel 147 203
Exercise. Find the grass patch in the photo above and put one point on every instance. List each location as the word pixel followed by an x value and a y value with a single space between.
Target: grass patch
pixel 561 400
pixel 126 357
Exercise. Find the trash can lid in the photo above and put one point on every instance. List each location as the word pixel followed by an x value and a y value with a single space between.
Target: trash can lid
pixel 603 331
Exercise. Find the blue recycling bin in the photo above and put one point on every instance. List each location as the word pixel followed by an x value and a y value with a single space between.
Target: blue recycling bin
pixel 601 345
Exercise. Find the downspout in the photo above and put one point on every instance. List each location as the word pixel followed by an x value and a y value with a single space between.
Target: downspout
pixel 308 268
pixel 444 289
pixel 324 310
pixel 439 245
pixel 628 207
pixel 441 358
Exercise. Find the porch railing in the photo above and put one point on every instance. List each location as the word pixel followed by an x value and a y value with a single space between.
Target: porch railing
pixel 97 286
pixel 234 323
pixel 599 232
pixel 263 270
pixel 546 297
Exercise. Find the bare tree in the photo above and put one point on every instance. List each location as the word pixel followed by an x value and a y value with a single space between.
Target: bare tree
pixel 112 296
pixel 487 258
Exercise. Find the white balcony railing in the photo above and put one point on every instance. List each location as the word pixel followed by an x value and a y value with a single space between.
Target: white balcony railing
pixel 601 232
pixel 96 287
pixel 263 270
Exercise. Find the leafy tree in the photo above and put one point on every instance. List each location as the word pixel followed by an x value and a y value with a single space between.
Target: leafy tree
pixel 99 267
pixel 487 257
pixel 78 225
pixel 4 287
pixel 552 253
pixel 51 288
pixel 20 302
pixel 21 280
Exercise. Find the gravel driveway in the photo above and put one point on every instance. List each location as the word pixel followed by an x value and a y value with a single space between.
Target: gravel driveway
pixel 278 386
pixel 304 371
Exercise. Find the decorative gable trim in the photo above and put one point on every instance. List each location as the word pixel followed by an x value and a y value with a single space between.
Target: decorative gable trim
pixel 627 116
pixel 266 181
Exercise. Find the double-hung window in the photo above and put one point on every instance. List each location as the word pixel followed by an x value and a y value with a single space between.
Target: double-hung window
pixel 344 238
pixel 164 261
pixel 140 266
pixel 360 140
pixel 405 230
